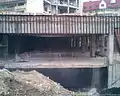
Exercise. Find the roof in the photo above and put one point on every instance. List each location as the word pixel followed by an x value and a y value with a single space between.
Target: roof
pixel 115 5
pixel 94 5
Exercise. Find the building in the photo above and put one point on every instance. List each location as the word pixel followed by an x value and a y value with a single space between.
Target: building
pixel 102 7
pixel 40 6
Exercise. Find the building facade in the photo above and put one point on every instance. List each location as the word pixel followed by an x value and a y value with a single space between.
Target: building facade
pixel 40 6
pixel 102 8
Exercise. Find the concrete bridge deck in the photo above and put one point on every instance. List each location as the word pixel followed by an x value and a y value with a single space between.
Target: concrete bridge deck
pixel 58 60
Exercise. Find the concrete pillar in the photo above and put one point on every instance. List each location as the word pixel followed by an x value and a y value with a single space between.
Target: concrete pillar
pixel 50 9
pixel 56 7
pixel 83 44
pixel 92 45
pixel 110 59
pixel 102 44
pixel 68 9
pixel 76 2
pixel 78 40
pixel 74 40
pixel 97 42
pixel 86 43
pixel 76 5
pixel 71 42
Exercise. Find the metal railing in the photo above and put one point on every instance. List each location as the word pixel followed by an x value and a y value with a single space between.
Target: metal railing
pixel 57 24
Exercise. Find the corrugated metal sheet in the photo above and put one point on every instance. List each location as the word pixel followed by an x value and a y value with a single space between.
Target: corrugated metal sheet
pixel 57 24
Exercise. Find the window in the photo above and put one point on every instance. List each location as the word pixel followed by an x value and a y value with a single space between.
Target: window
pixel 113 1
pixel 61 1
pixel 20 4
pixel 45 9
pixel 102 5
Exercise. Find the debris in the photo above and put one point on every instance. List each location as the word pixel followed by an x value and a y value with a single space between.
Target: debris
pixel 20 83
pixel 93 92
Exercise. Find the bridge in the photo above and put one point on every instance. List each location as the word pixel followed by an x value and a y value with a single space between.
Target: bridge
pixel 80 31
pixel 21 33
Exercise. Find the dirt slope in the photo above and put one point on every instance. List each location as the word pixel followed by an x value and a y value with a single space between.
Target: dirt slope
pixel 32 83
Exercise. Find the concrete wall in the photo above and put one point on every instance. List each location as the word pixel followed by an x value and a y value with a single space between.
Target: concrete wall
pixel 34 6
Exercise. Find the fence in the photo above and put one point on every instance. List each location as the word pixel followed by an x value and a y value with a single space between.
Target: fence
pixel 57 24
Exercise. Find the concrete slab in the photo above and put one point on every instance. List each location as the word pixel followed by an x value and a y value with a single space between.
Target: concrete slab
pixel 58 60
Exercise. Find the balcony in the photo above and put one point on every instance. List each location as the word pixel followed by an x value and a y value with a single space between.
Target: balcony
pixel 63 3
pixel 73 5
pixel 7 10
pixel 60 3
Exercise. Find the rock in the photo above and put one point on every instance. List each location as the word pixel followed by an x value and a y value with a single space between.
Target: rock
pixel 3 75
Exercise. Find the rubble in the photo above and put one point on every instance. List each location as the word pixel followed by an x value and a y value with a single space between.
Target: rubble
pixel 19 83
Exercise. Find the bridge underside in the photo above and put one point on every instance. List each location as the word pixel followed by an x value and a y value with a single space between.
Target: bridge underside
pixel 74 51
pixel 56 34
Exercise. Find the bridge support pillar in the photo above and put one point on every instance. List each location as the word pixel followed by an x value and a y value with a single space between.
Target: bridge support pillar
pixel 102 43
pixel 110 59
pixel 92 45
pixel 84 44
